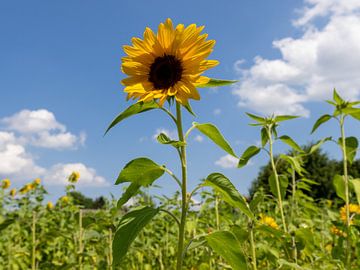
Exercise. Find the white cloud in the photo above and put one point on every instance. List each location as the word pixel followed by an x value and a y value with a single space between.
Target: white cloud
pixel 227 162
pixel 199 138
pixel 310 66
pixel 217 111
pixel 15 161
pixel 40 128
pixel 58 174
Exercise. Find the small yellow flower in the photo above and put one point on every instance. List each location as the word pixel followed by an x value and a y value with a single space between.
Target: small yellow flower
pixel 5 183
pixel 337 231
pixel 37 181
pixel 167 64
pixel 12 192
pixel 64 199
pixel 49 205
pixel 74 177
pixel 354 209
pixel 266 220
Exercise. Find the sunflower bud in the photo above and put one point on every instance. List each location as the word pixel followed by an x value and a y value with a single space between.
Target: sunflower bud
pixel 12 192
pixel 74 177
pixel 49 205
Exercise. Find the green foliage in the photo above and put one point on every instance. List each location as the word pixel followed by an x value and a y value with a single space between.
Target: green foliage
pixel 216 83
pixel 212 132
pixel 317 166
pixel 129 227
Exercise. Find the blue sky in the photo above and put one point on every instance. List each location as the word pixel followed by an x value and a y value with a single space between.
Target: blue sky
pixel 60 84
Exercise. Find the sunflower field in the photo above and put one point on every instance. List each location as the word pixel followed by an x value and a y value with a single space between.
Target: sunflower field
pixel 212 226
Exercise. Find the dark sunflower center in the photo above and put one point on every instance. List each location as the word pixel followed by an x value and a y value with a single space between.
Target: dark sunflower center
pixel 165 71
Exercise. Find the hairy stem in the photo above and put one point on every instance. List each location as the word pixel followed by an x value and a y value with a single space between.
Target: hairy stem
pixel 182 152
pixel 33 241
pixel 252 244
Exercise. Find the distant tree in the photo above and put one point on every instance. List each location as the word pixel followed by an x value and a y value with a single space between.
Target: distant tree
pixel 86 202
pixel 319 167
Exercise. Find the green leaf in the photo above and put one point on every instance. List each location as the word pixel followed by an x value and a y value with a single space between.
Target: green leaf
pixel 131 191
pixel 264 137
pixel 129 227
pixel 216 83
pixel 164 139
pixel 283 183
pixel 351 145
pixel 214 134
pixel 294 162
pixel 281 118
pixel 289 141
pixel 142 171
pixel 223 185
pixel 318 144
pixel 240 233
pixel 227 246
pixel 339 185
pixel 324 118
pixel 259 119
pixel 131 110
pixel 188 108
pixel 337 98
pixel 6 223
pixel 356 185
pixel 247 155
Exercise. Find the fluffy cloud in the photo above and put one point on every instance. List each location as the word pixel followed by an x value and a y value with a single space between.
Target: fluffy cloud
pixel 227 162
pixel 310 66
pixel 15 160
pixel 40 128
pixel 199 138
pixel 58 174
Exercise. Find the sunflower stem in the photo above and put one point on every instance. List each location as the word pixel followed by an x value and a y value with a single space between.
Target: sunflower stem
pixel 182 152
pixel 346 180
pixel 276 178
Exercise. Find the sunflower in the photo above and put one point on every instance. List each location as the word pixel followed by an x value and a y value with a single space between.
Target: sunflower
pixel 168 64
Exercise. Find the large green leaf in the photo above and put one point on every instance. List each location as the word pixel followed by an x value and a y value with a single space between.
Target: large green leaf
pixel 351 145
pixel 247 155
pixel 216 83
pixel 223 185
pixel 214 134
pixel 339 185
pixel 131 110
pixel 264 137
pixel 142 171
pixel 129 227
pixel 227 246
pixel 289 141
pixel 356 186
pixel 283 183
pixel 322 119
pixel 131 191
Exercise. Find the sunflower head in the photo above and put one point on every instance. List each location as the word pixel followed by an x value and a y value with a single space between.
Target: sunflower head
pixel 74 177
pixel 5 183
pixel 167 64
pixel 269 221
